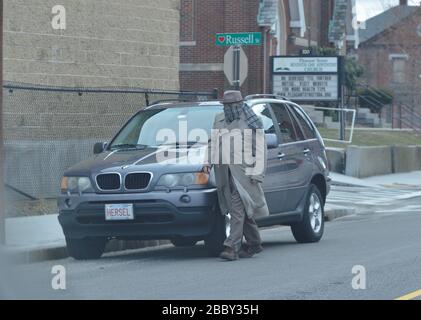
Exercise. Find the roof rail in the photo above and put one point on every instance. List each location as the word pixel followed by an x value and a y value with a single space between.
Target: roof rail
pixel 264 95
pixel 171 100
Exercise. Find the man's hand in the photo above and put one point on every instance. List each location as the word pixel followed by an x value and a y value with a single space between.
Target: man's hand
pixel 253 181
pixel 207 168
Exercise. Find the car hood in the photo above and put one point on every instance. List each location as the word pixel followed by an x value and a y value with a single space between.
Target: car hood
pixel 150 159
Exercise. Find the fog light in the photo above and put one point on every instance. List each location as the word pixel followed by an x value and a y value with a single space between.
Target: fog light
pixel 185 199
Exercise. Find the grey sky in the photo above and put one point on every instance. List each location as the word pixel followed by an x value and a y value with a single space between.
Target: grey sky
pixel 369 8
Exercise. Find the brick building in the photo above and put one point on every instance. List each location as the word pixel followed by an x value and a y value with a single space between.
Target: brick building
pixel 286 26
pixel 390 51
pixel 106 43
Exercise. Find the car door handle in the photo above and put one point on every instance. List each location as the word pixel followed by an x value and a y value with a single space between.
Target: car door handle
pixel 281 156
pixel 306 151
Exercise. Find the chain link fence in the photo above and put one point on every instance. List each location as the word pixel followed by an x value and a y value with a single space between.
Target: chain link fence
pixel 48 129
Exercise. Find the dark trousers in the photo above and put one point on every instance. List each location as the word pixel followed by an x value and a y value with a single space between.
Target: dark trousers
pixel 240 224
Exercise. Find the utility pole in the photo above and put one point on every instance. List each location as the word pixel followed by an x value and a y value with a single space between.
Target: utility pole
pixel 2 206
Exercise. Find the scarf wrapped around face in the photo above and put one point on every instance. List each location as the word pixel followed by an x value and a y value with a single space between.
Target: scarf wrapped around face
pixel 233 112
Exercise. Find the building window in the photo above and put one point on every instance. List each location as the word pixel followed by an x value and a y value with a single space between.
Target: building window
pixel 399 66
pixel 187 21
pixel 297 14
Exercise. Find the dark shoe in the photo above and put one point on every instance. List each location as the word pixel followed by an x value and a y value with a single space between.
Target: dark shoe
pixel 249 251
pixel 229 254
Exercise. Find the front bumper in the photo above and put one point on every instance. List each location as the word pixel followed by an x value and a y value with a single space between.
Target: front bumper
pixel 158 215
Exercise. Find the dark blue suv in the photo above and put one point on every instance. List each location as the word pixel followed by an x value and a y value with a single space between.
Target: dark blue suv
pixel 123 192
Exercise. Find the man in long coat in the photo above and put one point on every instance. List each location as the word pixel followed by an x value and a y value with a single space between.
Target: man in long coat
pixel 239 183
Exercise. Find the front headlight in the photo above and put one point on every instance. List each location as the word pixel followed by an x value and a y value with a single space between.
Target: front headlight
pixel 84 184
pixel 76 185
pixel 183 179
pixel 168 180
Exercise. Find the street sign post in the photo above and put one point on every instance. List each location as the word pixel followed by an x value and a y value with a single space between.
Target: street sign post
pixel 235 59
pixel 238 39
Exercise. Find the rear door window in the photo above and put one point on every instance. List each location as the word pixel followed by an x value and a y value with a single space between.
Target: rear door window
pixel 286 124
pixel 305 124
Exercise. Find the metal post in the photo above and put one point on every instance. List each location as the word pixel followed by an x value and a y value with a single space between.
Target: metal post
pixel 342 96
pixel 2 198
pixel 393 114
pixel 400 116
pixel 147 99
pixel 343 122
pixel 215 93
pixel 236 66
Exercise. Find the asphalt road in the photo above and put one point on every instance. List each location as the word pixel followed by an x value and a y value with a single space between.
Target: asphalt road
pixel 387 245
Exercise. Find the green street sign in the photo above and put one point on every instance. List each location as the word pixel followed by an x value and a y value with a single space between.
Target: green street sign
pixel 238 39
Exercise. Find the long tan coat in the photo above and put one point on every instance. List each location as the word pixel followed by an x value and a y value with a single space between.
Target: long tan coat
pixel 251 193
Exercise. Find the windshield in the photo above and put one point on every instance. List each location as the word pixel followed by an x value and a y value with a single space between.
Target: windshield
pixel 148 127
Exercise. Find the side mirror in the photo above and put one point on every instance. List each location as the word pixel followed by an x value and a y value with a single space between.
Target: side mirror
pixel 99 147
pixel 272 141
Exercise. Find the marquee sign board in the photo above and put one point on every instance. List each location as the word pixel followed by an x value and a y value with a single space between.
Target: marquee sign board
pixel 306 78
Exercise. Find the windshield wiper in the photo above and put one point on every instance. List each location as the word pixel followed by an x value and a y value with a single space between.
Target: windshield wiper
pixel 128 146
pixel 178 144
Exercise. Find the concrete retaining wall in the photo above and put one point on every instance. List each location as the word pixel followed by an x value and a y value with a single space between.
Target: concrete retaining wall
pixel 368 161
pixel 372 161
pixel 406 158
pixel 336 159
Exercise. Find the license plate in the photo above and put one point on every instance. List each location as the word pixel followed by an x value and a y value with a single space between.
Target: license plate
pixel 118 212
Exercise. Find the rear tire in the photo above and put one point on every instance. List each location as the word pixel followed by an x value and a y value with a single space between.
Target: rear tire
pixel 214 242
pixel 86 249
pixel 184 242
pixel 311 228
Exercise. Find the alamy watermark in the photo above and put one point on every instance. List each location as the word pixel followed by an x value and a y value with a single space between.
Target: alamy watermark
pixel 58 282
pixel 59 17
pixel 238 147
pixel 359 281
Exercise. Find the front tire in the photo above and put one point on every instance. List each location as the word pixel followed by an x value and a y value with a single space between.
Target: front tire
pixel 86 249
pixel 214 242
pixel 311 228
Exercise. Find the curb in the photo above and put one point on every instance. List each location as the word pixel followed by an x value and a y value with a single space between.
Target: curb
pixel 37 255
pixel 336 212
pixel 57 253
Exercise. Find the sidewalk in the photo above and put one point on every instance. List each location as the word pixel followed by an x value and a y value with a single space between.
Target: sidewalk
pixel 35 238
pixel 41 238
pixel 401 180
pixel 410 182
pixel 398 180
pixel 34 232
